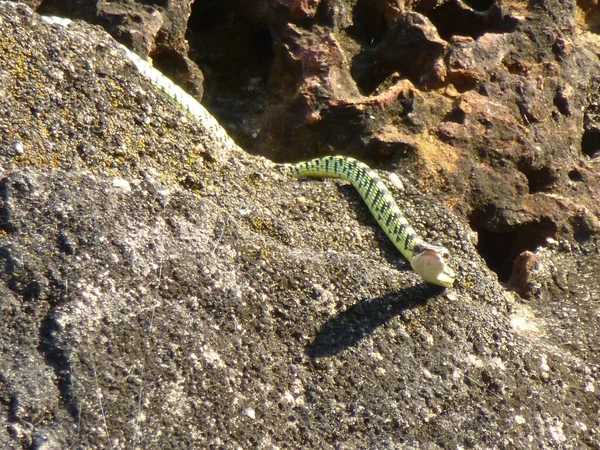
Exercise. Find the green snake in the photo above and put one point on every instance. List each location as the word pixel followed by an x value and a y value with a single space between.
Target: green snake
pixel 426 259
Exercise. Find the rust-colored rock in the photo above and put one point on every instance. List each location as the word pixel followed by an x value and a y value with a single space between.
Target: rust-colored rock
pixel 523 273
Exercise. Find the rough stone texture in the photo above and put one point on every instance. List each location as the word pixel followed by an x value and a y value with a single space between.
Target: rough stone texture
pixel 150 28
pixel 503 91
pixel 491 105
pixel 160 291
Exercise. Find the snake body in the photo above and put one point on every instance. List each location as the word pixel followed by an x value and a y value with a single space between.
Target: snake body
pixel 426 259
pixel 171 91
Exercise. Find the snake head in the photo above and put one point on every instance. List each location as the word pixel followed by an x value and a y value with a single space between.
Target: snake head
pixel 428 261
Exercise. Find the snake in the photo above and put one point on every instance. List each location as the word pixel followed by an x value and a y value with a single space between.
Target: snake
pixel 170 90
pixel 427 260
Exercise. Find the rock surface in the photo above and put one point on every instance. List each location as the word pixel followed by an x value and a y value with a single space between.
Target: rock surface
pixel 491 105
pixel 161 290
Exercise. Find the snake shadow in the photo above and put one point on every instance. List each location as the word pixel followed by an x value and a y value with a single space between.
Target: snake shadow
pixel 350 326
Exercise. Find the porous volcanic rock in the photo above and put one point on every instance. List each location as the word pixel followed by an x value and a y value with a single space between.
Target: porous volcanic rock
pixel 162 288
pixel 493 106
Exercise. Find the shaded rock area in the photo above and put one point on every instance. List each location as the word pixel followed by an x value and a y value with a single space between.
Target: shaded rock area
pixel 162 288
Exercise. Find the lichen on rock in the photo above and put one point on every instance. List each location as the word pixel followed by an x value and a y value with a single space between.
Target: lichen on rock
pixel 158 290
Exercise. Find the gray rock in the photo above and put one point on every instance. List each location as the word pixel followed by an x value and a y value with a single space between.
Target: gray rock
pixel 160 291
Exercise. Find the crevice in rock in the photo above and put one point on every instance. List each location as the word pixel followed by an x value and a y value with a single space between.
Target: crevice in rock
pixel 590 16
pixel 175 66
pixel 575 175
pixel 480 5
pixel 590 142
pixel 234 51
pixel 457 115
pixel 500 248
pixel 64 9
pixel 463 81
pixel 369 25
pixel 562 103
pixel 57 356
pixel 583 230
pixel 541 180
pixel 473 18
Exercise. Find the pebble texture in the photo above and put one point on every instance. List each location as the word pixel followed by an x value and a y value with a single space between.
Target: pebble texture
pixel 160 291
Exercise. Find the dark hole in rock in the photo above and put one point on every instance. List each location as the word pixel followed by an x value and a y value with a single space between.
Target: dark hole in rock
pixel 500 249
pixel 482 17
pixel 235 52
pixel 463 82
pixel 212 13
pixel 369 25
pixel 583 230
pixel 590 142
pixel 562 104
pixel 461 25
pixel 590 13
pixel 541 180
pixel 456 115
pixel 575 175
